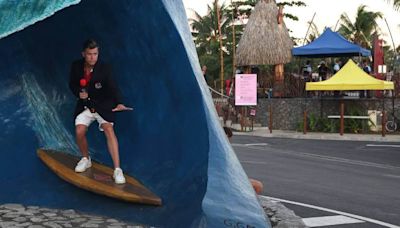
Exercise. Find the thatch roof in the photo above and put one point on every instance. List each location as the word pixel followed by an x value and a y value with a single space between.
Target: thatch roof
pixel 264 42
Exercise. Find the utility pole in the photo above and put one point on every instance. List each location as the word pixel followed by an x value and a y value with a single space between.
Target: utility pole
pixel 221 52
pixel 233 40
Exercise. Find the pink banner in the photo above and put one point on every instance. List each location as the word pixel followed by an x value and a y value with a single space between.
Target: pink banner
pixel 246 89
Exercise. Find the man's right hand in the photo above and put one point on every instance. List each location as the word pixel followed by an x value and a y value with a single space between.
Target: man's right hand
pixel 83 95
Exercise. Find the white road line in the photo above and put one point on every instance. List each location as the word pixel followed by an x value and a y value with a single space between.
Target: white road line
pixel 383 145
pixel 385 224
pixel 254 162
pixel 392 176
pixel 256 144
pixel 249 144
pixel 330 221
pixel 324 157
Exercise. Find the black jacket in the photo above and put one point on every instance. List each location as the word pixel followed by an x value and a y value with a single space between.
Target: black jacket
pixel 102 89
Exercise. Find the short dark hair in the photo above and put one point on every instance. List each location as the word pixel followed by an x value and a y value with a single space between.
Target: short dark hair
pixel 90 43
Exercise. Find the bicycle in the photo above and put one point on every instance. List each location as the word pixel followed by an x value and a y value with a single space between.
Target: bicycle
pixel 391 125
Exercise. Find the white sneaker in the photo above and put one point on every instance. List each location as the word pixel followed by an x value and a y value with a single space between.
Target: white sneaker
pixel 83 164
pixel 119 176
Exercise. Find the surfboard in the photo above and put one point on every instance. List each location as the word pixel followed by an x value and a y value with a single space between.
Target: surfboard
pixel 97 179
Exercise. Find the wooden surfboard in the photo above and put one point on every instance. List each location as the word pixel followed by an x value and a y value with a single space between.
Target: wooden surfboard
pixel 97 179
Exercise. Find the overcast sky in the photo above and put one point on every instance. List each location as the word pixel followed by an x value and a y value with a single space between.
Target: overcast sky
pixel 327 14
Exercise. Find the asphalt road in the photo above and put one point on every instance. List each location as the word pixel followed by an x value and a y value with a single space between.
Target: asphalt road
pixel 348 176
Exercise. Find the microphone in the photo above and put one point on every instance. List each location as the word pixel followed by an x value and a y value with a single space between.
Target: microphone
pixel 83 83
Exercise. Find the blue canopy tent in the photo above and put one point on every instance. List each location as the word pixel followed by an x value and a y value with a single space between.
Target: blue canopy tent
pixel 330 44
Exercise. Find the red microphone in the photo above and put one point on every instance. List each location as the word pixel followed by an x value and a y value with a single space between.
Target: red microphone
pixel 83 82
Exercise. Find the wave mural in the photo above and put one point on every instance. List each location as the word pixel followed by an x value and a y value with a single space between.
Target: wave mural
pixel 172 142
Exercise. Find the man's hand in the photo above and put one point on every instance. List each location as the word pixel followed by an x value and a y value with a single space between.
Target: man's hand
pixel 83 95
pixel 121 107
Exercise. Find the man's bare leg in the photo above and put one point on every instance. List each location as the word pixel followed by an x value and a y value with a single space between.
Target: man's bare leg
pixel 112 143
pixel 81 140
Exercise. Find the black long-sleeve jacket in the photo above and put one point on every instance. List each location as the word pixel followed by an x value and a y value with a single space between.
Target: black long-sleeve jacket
pixel 102 89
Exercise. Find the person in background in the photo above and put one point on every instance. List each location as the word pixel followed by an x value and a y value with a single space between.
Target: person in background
pixel 322 71
pixel 204 70
pixel 367 69
pixel 307 70
pixel 337 66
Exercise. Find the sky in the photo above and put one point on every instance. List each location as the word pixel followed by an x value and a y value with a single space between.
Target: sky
pixel 327 14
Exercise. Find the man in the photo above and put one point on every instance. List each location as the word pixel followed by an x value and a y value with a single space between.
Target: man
pixel 322 71
pixel 307 71
pixel 337 66
pixel 99 101
pixel 367 69
pixel 204 71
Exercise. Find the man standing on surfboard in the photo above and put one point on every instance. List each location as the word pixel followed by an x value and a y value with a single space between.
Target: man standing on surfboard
pixel 99 98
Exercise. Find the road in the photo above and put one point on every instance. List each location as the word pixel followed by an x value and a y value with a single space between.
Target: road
pixel 360 178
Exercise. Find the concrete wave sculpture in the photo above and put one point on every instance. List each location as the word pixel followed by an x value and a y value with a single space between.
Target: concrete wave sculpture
pixel 172 142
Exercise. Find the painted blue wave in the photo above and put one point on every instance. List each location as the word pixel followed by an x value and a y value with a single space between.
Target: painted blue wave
pixel 18 14
pixel 172 142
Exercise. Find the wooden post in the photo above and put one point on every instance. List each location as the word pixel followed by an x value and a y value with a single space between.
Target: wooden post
pixel 305 113
pixel 383 123
pixel 242 118
pixel 341 117
pixel 305 122
pixel 270 118
pixel 383 117
pixel 245 118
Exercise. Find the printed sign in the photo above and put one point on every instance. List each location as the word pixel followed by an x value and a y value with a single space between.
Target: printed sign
pixel 245 89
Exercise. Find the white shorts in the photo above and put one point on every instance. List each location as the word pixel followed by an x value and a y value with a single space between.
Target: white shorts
pixel 86 118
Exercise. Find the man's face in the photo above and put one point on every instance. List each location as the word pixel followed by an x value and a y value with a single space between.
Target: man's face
pixel 91 56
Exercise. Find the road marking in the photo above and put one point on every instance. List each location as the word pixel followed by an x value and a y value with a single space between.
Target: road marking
pixel 383 145
pixel 324 157
pixel 330 221
pixel 254 162
pixel 385 224
pixel 392 176
pixel 249 144
pixel 256 144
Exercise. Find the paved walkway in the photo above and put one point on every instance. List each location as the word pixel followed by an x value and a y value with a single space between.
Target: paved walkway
pixel 264 132
pixel 16 215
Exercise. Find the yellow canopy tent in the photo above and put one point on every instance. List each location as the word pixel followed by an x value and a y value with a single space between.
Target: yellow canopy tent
pixel 350 77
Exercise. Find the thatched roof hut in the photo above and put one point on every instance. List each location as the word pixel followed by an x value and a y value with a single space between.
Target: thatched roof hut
pixel 264 41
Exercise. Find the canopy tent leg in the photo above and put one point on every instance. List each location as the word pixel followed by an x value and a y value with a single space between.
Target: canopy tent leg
pixel 305 114
pixel 383 117
pixel 341 117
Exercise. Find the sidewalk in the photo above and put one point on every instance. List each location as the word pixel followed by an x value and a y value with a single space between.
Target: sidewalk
pixel 264 132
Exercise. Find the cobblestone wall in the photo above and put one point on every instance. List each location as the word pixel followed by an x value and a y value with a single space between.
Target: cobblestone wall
pixel 287 113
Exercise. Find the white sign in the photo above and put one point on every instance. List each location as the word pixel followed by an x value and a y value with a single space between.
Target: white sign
pixel 245 89
pixel 382 69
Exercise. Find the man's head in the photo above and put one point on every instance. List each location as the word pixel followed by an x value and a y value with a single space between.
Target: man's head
pixel 90 52
pixel 204 69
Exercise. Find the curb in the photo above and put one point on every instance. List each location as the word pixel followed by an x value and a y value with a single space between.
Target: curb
pixel 264 132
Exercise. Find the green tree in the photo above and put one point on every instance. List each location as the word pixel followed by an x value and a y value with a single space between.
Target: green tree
pixel 362 30
pixel 396 3
pixel 205 34
pixel 206 37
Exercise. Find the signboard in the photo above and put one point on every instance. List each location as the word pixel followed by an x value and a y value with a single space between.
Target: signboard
pixel 245 89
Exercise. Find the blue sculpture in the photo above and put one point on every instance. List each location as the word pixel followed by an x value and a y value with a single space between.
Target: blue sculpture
pixel 172 142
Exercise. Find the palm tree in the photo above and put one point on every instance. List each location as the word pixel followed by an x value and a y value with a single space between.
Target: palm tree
pixel 396 4
pixel 362 30
pixel 207 38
